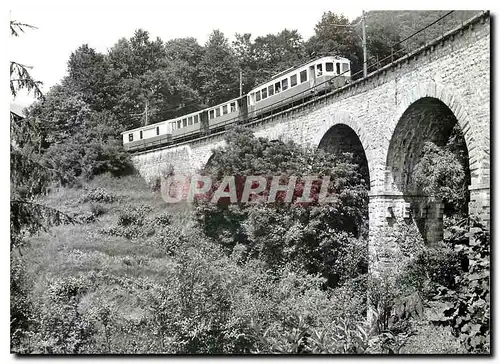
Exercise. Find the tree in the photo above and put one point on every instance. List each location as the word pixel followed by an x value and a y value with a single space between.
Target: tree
pixel 334 35
pixel 30 176
pixel 61 113
pixel 185 55
pixel 441 175
pixel 275 53
pixel 266 56
pixel 130 60
pixel 244 51
pixel 218 70
pixel 20 78
pixel 87 75
pixel 162 76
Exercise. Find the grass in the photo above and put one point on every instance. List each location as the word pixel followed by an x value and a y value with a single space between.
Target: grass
pixel 76 249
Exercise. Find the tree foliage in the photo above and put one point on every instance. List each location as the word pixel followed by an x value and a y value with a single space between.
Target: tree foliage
pixel 443 173
pixel 318 237
pixel 218 70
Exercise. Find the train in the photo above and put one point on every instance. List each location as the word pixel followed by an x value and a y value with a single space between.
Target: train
pixel 294 85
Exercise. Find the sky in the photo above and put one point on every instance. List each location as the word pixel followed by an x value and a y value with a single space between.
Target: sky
pixel 64 26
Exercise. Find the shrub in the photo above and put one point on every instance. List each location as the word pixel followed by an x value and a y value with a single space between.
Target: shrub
pixel 133 215
pixel 441 173
pixel 467 309
pixel 99 195
pixel 132 223
pixel 62 327
pixel 92 148
pixel 97 209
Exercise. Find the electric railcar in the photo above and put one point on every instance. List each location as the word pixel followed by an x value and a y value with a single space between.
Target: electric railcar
pixel 297 83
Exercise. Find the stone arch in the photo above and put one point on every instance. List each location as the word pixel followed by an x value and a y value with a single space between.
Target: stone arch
pixel 427 119
pixel 456 105
pixel 341 138
pixel 203 154
pixel 345 124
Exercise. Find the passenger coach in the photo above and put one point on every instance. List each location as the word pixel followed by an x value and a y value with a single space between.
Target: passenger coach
pixel 291 85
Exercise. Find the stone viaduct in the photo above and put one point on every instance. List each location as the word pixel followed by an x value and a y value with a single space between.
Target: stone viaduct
pixel 385 119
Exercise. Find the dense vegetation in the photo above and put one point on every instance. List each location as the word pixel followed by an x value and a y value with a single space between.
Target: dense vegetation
pixel 125 273
pixel 329 239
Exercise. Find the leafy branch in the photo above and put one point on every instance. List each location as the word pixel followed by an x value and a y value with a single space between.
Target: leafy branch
pixel 18 27
pixel 20 78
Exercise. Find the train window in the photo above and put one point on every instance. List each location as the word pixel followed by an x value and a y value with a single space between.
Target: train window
pixel 233 106
pixel 217 112
pixel 264 93
pixel 338 68
pixel 140 134
pixel 270 90
pixel 157 130
pixel 303 76
pixel 293 80
pixel 190 120
pixel 257 96
pixel 178 124
pixel 329 66
pixel 131 137
pixel 277 87
pixel 212 114
pixel 224 110
pixel 195 119
pixel 184 122
pixel 284 84
pixel 319 70
pixel 345 67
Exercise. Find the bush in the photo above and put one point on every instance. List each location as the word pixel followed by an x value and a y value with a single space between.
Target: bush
pixel 467 309
pixel 132 216
pixel 99 195
pixel 441 173
pixel 97 209
pixel 91 149
pixel 61 326
pixel 133 223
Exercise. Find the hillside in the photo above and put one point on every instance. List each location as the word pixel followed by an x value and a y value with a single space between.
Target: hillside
pixel 94 266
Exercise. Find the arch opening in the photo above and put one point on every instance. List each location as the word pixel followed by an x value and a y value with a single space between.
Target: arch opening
pixel 209 162
pixel 428 162
pixel 340 139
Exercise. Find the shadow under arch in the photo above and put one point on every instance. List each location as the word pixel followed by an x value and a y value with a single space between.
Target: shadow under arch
pixel 427 119
pixel 340 139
